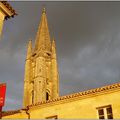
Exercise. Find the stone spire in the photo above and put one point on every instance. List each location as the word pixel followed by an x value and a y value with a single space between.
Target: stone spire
pixel 27 77
pixel 53 49
pixel 55 74
pixel 29 50
pixel 43 36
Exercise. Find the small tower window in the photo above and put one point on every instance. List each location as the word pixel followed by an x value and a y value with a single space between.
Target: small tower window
pixel 47 96
pixel 32 96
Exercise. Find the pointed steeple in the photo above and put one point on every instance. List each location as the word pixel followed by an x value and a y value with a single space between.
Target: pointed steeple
pixel 53 48
pixel 29 50
pixel 43 36
pixel 28 75
pixel 55 75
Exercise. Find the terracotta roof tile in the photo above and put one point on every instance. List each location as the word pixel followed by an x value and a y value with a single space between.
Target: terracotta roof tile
pixel 81 94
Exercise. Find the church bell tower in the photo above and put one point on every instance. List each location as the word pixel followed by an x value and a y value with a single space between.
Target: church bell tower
pixel 41 80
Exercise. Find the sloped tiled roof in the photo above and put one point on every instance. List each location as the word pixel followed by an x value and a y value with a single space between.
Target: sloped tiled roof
pixel 84 94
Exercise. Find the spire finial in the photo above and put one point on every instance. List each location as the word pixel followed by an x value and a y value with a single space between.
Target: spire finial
pixel 53 38
pixel 43 36
pixel 29 50
pixel 44 10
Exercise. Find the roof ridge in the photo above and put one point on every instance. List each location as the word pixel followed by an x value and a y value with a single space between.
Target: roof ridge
pixel 83 93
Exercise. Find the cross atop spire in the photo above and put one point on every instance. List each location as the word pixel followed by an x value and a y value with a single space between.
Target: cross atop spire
pixel 44 10
pixel 43 36
pixel 29 50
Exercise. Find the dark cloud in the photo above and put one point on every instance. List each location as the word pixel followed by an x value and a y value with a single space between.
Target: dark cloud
pixel 87 38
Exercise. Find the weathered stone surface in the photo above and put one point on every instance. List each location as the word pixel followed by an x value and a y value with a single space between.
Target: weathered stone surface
pixel 41 72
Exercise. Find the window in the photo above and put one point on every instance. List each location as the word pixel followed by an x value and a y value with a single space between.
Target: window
pixel 32 96
pixel 52 117
pixel 47 96
pixel 109 113
pixel 101 114
pixel 105 112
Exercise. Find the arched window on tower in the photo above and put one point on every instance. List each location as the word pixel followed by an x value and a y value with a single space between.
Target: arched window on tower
pixel 47 96
pixel 32 96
